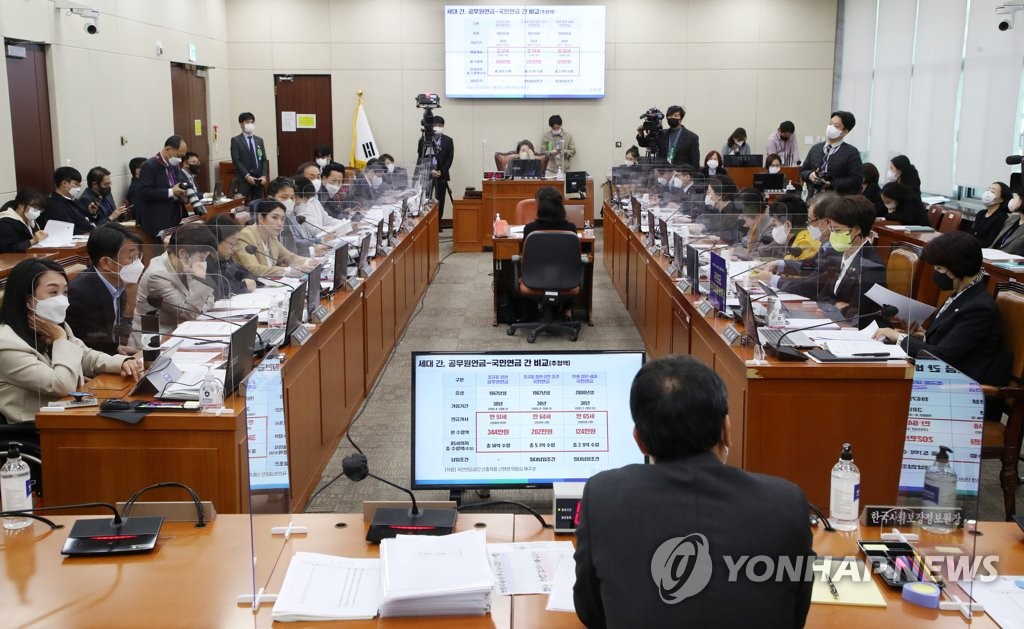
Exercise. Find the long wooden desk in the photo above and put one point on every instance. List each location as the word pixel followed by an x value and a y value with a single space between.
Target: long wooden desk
pixel 743 176
pixel 473 219
pixel 325 381
pixel 504 277
pixel 788 419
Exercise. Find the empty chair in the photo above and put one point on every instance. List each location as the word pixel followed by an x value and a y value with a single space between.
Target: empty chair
pixel 901 271
pixel 950 221
pixel 526 212
pixel 935 216
pixel 550 272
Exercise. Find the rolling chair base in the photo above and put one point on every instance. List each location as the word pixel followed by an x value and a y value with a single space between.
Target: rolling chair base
pixel 572 328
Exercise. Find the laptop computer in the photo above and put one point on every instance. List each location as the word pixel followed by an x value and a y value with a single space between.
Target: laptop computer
pixel 282 336
pixel 755 160
pixel 524 169
pixel 763 335
pixel 575 214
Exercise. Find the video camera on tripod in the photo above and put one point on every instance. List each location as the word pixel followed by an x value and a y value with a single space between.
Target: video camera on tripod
pixel 650 131
pixel 428 103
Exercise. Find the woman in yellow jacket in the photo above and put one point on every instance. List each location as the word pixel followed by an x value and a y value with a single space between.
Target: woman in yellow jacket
pixel 260 250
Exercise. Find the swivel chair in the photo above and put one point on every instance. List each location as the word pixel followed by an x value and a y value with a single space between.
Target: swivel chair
pixel 550 272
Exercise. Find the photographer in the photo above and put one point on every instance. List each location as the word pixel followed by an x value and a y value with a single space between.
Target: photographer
pixel 834 165
pixel 440 163
pixel 677 146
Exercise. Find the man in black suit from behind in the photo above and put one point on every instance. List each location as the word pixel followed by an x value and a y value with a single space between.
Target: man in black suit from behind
pixel 678 145
pixel 655 543
pixel 62 204
pixel 249 156
pixel 160 195
pixel 441 163
pixel 101 296
pixel 834 164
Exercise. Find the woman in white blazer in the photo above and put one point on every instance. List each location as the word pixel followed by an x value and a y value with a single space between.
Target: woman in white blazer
pixel 40 358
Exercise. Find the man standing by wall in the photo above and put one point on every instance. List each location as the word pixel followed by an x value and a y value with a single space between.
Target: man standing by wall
pixel 249 156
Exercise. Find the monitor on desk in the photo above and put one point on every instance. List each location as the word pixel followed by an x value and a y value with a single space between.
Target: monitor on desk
pixel 240 351
pixel 364 255
pixel 520 419
pixel 524 169
pixel 313 289
pixel 769 181
pixel 576 182
pixel 754 161
pixel 340 268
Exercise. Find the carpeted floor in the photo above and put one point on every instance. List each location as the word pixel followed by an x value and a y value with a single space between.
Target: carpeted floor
pixel 456 315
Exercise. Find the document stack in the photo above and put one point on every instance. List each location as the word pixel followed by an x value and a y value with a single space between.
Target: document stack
pixel 324 587
pixel 435 576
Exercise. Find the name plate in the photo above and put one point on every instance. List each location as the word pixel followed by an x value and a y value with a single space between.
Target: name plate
pixel 301 335
pixel 385 250
pixel 366 270
pixel 672 270
pixel 353 283
pixel 321 313
pixel 897 516
pixel 705 308
pixel 731 334
pixel 683 286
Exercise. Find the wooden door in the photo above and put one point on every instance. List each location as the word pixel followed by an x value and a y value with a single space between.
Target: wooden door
pixel 31 133
pixel 295 95
pixel 188 98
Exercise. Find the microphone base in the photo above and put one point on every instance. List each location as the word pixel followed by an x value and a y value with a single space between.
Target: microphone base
pixel 391 522
pixel 102 537
pixel 784 353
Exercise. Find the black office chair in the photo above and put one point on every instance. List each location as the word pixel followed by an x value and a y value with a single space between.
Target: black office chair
pixel 25 437
pixel 549 271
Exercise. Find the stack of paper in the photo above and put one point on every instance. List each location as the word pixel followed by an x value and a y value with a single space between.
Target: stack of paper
pixel 324 587
pixel 435 576
pixel 561 597
pixel 526 567
pixel 864 348
pixel 58 234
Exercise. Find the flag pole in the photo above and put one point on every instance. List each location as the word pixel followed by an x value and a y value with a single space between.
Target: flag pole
pixel 355 122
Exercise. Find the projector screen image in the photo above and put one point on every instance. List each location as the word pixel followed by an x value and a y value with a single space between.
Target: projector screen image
pixel 516 51
pixel 520 419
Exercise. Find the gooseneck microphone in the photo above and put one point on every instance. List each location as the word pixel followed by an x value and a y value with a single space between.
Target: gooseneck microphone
pixel 790 353
pixel 156 301
pixel 301 220
pixel 242 274
pixel 756 266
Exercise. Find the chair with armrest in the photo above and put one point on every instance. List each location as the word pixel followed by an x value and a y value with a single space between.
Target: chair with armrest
pixel 501 161
pixel 902 270
pixel 1001 441
pixel 550 272
pixel 950 221
pixel 525 212
pixel 935 216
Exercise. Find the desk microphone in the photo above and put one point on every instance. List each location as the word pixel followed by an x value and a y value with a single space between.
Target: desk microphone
pixel 156 301
pixel 301 220
pixel 154 339
pixel 1013 160
pixel 391 522
pixel 756 266
pixel 242 274
pixel 790 353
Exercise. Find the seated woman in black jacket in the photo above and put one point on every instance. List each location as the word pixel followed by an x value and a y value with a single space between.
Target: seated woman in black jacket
pixel 988 223
pixel 903 205
pixel 18 227
pixel 550 212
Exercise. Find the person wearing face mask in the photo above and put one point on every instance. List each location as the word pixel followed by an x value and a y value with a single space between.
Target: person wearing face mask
pixel 18 227
pixel 295 237
pixel 965 331
pixel 677 145
pixel 525 165
pixel 311 171
pixel 773 166
pixel 103 295
pixel 63 202
pixel 713 165
pixel 333 191
pixel 97 198
pixel 190 168
pixel 161 197
pixel 223 273
pixel 871 190
pixel 1011 238
pixel 737 143
pixel 903 205
pixel 249 155
pixel 558 145
pixel 323 155
pixel 774 239
pixel 834 164
pixel 316 220
pixel 368 186
pixel 810 244
pixel 902 171
pixel 41 360
pixel 720 216
pixel 999 203
pixel 783 143
pixel 178 278
pixel 396 177
pixel 260 250
pixel 443 149
pixel 132 196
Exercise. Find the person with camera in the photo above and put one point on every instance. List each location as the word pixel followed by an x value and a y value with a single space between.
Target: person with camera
pixel 677 146
pixel 833 164
pixel 97 199
pixel 443 149
pixel 161 195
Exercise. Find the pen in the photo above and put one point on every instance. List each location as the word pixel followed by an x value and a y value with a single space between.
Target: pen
pixel 832 586
pixel 873 354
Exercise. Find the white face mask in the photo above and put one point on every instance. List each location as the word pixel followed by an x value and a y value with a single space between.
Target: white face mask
pixel 438 130
pixel 289 205
pixel 524 155
pixel 739 143
pixel 553 132
pixel 249 127
pixel 316 184
pixel 662 181
pixel 322 161
pixel 53 309
pixel 629 162
pixel 814 232
pixel 390 167
pixel 375 181
pixel 331 188
pixel 131 273
pixel 891 205
pixel 1014 203
pixel 708 200
pixel 779 234
pixel 677 182
pixel 712 164
pixel 890 176
pixel 33 213
pixel 774 170
pixel 174 161
pixel 988 197
pixel 75 192
pixel 832 133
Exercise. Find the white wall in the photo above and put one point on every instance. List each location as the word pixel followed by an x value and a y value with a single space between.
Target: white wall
pixel 114 84
pixel 749 63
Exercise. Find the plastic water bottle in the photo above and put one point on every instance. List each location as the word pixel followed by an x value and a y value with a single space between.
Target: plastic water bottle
pixel 15 489
pixel 940 489
pixel 844 502
pixel 211 392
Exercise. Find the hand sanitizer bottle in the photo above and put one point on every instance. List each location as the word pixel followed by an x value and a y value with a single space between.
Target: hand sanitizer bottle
pixel 844 503
pixel 15 489
pixel 500 226
pixel 940 490
pixel 211 392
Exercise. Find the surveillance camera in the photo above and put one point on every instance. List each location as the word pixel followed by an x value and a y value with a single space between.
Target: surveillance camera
pixel 1007 13
pixel 1006 23
pixel 93 27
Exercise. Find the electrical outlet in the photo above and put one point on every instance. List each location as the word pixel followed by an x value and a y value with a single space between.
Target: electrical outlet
pixel 618 144
pixel 124 140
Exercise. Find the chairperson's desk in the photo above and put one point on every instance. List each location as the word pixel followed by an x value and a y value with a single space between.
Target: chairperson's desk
pixel 788 419
pixel 90 458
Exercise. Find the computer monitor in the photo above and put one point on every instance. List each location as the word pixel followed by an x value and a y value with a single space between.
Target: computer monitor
pixel 747 313
pixel 756 161
pixel 769 181
pixel 296 303
pixel 520 419
pixel 392 228
pixel 364 255
pixel 678 249
pixel 663 235
pixel 524 169
pixel 240 350
pixel 693 268
pixel 378 249
pixel 340 268
pixel 313 289
pixel 576 182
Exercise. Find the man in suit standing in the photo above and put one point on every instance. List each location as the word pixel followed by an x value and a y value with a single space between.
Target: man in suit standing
pixel 62 205
pixel 655 543
pixel 249 156
pixel 101 295
pixel 678 145
pixel 161 197
pixel 834 164
pixel 440 164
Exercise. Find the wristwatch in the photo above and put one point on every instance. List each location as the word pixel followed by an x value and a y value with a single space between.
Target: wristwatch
pixel 899 339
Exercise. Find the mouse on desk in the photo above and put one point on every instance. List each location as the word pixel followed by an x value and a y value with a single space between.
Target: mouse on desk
pixel 115 404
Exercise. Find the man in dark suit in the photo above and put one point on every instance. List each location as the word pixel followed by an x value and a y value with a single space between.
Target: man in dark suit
pixel 161 197
pixel 678 145
pixel 131 197
pixel 396 178
pixel 97 198
pixel 249 156
pixel 655 543
pixel 440 164
pixel 834 164
pixel 62 204
pixel 101 295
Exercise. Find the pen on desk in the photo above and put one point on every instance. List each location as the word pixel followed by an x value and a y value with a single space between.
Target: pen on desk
pixel 873 354
pixel 832 586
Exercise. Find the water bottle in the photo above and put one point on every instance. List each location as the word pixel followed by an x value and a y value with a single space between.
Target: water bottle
pixel 275 317
pixel 588 229
pixel 15 489
pixel 211 392
pixel 844 501
pixel 940 489
pixel 776 318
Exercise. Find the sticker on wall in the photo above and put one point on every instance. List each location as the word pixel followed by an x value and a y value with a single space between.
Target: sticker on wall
pixel 306 121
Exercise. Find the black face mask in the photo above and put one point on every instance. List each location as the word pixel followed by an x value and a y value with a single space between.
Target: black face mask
pixel 104 192
pixel 673 122
pixel 194 168
pixel 943 281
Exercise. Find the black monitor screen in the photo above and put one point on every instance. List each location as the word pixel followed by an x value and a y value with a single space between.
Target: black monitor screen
pixel 520 419
pixel 693 267
pixel 240 351
pixel 313 289
pixel 576 182
pixel 756 161
pixel 768 181
pixel 296 302
pixel 340 267
pixel 524 168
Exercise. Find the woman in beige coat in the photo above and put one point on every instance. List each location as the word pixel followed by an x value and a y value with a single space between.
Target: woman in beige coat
pixel 260 251
pixel 40 359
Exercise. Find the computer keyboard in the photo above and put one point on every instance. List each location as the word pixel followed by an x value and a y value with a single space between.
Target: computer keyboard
pixel 272 337
pixel 771 336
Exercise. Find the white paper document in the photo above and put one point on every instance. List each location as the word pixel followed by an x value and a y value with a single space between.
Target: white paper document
pixel 863 348
pixel 207 342
pixel 991 255
pixel 910 310
pixel 525 568
pixel 844 334
pixel 184 359
pixel 561 599
pixel 325 587
pixel 1003 599
pixel 58 234
pixel 796 324
pixel 204 328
